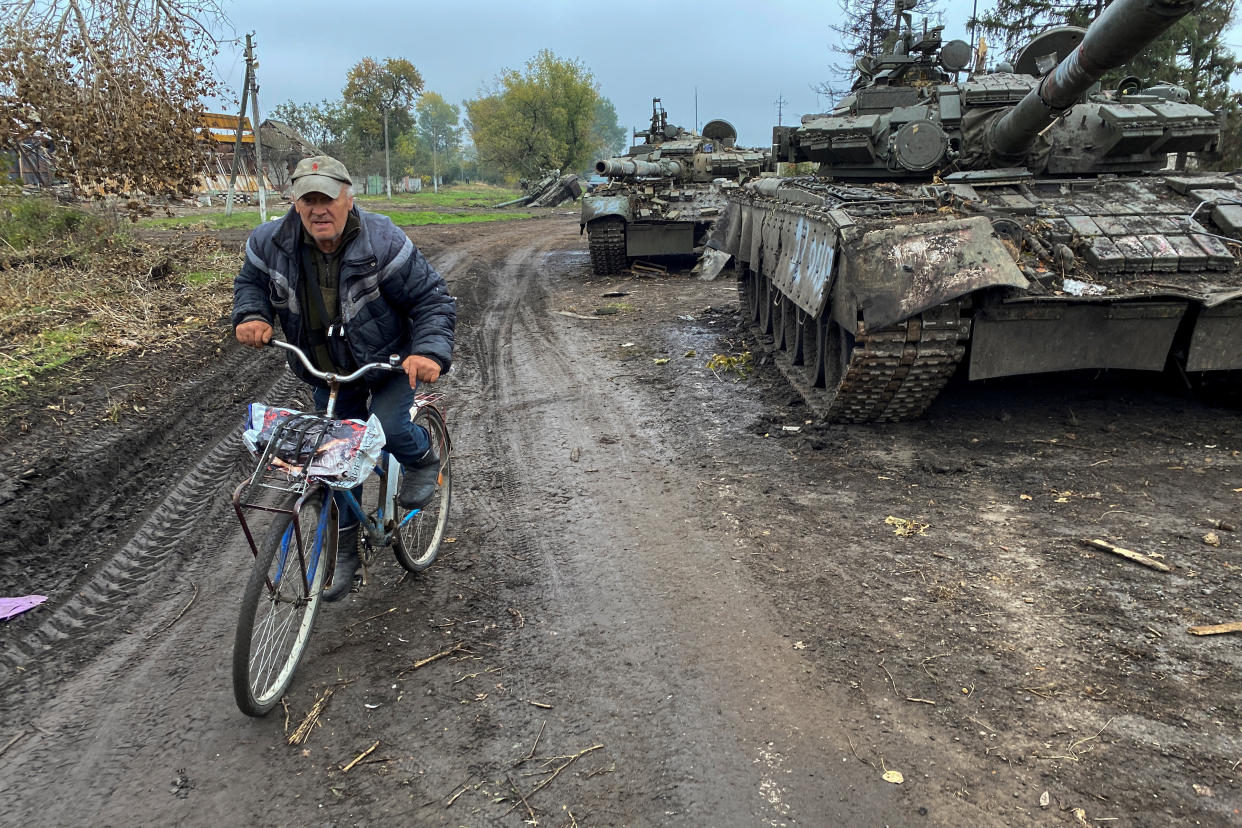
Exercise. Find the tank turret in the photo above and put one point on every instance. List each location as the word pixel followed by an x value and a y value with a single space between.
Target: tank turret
pixel 908 117
pixel 1017 221
pixel 663 197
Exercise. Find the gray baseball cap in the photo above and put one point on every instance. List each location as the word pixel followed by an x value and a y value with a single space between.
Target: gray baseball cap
pixel 319 174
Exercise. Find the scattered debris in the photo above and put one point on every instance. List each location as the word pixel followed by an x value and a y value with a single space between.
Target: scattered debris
pixel 742 364
pixel 573 315
pixel 905 528
pixel 16 606
pixel 641 267
pixel 1211 539
pixel 360 757
pixel 660 360
pixel 456 648
pixel 1128 554
pixel 1216 629
pixel 312 718
pixel 1044 800
pixel 612 294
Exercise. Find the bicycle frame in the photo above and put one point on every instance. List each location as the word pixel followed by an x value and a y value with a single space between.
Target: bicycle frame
pixel 305 433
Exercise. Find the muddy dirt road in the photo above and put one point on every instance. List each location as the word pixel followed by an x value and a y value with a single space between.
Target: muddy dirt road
pixel 670 599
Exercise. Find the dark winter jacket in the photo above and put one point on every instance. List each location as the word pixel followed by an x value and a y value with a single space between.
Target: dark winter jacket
pixel 392 300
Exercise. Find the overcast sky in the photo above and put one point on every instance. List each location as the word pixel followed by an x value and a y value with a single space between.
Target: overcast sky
pixel 738 58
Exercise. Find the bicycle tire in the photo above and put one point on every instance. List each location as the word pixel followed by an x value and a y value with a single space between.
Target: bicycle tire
pixel 275 624
pixel 417 538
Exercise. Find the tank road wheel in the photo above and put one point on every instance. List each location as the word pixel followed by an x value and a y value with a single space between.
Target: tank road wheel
pixel 813 336
pixel 791 335
pixel 606 239
pixel 766 293
pixel 748 295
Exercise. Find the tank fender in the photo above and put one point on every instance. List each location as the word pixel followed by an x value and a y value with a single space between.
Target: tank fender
pixel 598 207
pixel 900 271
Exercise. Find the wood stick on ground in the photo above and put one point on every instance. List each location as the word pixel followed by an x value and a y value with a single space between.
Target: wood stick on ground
pixel 14 741
pixel 855 752
pixel 1128 554
pixel 518 791
pixel 177 617
pixel 531 754
pixel 312 718
pixel 456 648
pixel 360 757
pixel 556 772
pixel 349 627
pixel 1217 629
pixel 1089 738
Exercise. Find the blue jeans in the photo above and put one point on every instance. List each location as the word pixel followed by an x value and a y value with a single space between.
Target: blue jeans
pixel 390 401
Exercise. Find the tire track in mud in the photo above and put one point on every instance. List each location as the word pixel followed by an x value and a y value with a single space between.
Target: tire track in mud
pixel 121 586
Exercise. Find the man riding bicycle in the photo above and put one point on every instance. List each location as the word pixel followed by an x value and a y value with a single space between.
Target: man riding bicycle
pixel 350 288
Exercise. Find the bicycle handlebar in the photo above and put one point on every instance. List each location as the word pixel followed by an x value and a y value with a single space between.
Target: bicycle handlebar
pixel 326 376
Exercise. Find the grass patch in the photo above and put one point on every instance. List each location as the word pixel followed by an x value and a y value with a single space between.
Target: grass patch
pixel 455 195
pixel 417 218
pixel 211 221
pixel 72 295
pixel 27 222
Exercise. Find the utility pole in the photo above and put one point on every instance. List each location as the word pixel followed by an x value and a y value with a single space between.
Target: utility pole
pixel 780 107
pixel 237 145
pixel 387 166
pixel 254 128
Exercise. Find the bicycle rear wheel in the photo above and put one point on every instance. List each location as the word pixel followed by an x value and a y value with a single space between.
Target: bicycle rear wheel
pixel 421 531
pixel 278 606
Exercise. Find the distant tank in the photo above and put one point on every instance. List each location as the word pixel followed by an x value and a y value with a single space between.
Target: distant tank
pixel 550 189
pixel 1025 221
pixel 663 197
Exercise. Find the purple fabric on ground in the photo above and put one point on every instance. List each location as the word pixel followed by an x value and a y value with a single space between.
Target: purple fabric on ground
pixel 16 606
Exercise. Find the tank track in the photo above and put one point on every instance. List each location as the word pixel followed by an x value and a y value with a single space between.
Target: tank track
pixel 606 239
pixel 891 374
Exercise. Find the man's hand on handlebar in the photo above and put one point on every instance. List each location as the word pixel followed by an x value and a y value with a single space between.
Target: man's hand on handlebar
pixel 420 369
pixel 256 333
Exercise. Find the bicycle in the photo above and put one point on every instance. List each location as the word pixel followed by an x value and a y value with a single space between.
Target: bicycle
pixel 305 459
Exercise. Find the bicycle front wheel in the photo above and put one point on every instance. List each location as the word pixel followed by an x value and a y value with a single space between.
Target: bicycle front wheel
pixel 280 604
pixel 421 531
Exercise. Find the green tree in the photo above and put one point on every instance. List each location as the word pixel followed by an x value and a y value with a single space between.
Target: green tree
pixel 324 124
pixel 438 128
pixel 607 135
pixel 379 97
pixel 537 120
pixel 112 87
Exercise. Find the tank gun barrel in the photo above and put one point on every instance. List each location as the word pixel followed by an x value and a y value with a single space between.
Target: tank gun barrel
pixel 1121 32
pixel 626 168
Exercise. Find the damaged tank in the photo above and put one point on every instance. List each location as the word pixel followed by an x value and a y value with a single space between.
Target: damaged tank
pixel 1023 221
pixel 550 189
pixel 663 197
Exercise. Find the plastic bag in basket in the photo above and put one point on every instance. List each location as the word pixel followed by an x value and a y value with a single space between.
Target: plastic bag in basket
pixel 347 450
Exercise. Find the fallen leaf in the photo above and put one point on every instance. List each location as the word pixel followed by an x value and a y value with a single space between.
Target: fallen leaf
pixel 1211 539
pixel 1044 800
pixel 893 776
pixel 1025 497
pixel 660 360
pixel 1081 816
pixel 905 528
pixel 1202 790
pixel 799 645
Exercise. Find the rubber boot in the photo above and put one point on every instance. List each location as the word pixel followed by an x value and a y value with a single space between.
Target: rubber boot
pixel 346 564
pixel 418 483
